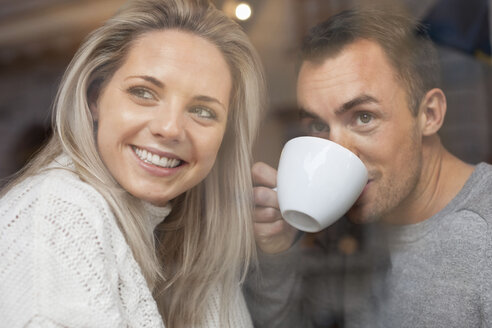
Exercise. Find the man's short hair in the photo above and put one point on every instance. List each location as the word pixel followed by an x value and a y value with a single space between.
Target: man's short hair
pixel 403 39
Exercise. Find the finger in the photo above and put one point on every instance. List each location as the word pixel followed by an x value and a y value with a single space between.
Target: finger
pixel 264 231
pixel 267 215
pixel 265 197
pixel 264 175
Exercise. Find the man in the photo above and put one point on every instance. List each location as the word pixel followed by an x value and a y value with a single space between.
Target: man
pixel 369 82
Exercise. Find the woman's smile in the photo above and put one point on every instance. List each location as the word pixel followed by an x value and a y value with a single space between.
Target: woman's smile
pixel 163 114
pixel 164 161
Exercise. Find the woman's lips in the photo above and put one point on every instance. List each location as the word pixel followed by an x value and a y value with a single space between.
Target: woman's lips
pixel 161 160
pixel 157 165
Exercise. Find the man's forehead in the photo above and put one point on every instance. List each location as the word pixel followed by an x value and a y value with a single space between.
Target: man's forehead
pixel 329 78
pixel 364 50
pixel 359 65
pixel 358 75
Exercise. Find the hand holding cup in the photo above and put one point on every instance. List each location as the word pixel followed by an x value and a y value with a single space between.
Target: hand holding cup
pixel 273 234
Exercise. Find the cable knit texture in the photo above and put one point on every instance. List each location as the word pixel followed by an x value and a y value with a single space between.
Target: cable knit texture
pixel 65 263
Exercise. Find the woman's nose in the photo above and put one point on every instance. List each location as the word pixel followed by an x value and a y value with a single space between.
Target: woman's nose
pixel 168 123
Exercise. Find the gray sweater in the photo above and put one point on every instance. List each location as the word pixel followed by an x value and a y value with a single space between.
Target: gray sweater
pixel 437 273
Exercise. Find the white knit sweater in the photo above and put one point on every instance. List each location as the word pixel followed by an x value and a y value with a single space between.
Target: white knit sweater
pixel 65 263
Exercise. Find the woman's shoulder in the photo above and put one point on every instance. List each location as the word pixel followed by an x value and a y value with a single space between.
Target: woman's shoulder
pixel 59 213
pixel 63 248
pixel 56 192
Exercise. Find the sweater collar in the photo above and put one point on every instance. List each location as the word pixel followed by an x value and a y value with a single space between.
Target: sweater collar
pixel 157 214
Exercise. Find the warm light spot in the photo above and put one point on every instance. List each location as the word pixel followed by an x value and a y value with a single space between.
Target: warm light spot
pixel 243 11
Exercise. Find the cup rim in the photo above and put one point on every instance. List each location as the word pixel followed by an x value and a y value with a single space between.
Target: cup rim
pixel 323 140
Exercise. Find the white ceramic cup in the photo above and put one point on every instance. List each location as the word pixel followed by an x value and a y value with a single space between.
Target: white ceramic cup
pixel 317 182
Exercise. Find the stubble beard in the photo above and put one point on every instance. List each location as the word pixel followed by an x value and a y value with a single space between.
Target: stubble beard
pixel 392 192
pixel 393 196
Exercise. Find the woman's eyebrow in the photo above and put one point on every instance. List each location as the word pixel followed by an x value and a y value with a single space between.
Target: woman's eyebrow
pixel 148 78
pixel 209 99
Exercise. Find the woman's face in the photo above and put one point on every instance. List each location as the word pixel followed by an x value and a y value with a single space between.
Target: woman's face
pixel 162 116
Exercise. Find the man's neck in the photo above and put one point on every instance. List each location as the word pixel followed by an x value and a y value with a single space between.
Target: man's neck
pixel 442 177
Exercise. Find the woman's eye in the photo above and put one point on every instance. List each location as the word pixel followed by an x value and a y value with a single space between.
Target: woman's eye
pixel 203 112
pixel 364 118
pixel 142 93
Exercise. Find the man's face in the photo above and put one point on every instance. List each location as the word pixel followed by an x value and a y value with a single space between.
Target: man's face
pixel 355 99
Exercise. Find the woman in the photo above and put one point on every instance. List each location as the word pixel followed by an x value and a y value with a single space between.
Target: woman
pixel 155 117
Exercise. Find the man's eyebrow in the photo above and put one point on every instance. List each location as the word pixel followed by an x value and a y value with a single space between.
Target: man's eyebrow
pixel 150 79
pixel 304 113
pixel 359 100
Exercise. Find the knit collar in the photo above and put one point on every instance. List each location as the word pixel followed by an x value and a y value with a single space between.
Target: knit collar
pixel 157 214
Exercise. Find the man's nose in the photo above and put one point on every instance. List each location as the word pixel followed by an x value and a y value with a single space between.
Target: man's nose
pixel 344 139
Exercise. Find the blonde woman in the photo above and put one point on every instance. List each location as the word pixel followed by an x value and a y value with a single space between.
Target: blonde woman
pixel 155 118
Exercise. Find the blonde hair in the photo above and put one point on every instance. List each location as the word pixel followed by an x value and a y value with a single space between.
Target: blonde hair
pixel 207 241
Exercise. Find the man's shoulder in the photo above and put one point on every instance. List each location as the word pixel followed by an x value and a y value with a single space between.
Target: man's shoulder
pixel 480 182
pixel 485 170
pixel 476 195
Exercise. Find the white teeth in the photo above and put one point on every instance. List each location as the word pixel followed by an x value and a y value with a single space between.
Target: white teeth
pixel 148 157
pixel 163 161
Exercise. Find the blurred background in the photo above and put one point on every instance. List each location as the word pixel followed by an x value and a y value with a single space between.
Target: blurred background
pixel 39 37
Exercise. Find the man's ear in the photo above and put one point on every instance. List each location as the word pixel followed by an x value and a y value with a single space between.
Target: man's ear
pixel 432 111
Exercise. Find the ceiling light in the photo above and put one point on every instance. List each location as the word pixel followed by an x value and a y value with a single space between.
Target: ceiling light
pixel 243 11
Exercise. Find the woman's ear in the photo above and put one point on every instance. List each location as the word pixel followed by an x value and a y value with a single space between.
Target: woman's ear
pixel 432 111
pixel 94 111
pixel 92 97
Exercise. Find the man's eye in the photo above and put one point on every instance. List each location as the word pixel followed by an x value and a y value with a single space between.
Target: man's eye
pixel 317 127
pixel 203 112
pixel 142 93
pixel 364 118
